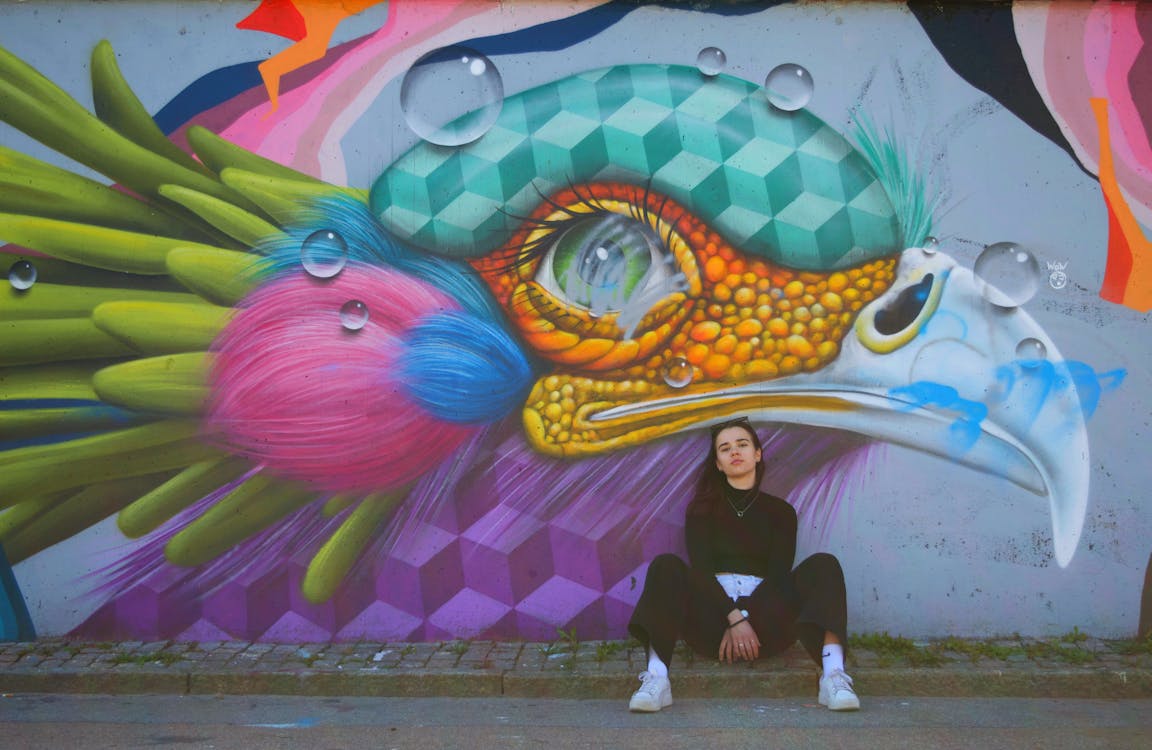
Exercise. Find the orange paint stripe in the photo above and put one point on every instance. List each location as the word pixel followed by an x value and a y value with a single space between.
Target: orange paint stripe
pixel 1128 272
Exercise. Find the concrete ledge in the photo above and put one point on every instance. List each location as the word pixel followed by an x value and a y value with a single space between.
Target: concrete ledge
pixel 470 683
pixel 95 682
pixel 701 683
pixel 1048 669
pixel 1006 683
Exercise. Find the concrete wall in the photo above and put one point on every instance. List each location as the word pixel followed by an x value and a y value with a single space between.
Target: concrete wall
pixel 193 446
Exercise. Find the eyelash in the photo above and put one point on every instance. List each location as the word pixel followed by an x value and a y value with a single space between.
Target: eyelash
pixel 530 252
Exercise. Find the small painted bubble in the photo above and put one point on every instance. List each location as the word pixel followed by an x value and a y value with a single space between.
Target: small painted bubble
pixel 677 372
pixel 711 61
pixel 1008 275
pixel 1031 352
pixel 789 87
pixel 354 315
pixel 451 96
pixel 930 246
pixel 324 254
pixel 22 275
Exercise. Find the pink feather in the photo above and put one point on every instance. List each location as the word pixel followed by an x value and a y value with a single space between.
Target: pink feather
pixel 312 401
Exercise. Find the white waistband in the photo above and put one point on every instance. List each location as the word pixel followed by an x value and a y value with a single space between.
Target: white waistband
pixel 738 584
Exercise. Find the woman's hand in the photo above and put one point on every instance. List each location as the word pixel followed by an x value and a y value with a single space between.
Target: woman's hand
pixel 739 643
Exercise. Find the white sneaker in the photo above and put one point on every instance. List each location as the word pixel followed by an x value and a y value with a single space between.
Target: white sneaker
pixel 836 692
pixel 654 694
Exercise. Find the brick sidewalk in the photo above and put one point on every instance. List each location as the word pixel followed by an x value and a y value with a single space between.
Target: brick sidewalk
pixel 1087 668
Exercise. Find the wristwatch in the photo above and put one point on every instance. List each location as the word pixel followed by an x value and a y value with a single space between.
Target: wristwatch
pixel 744 613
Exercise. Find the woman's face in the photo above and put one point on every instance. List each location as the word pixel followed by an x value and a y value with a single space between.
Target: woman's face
pixel 736 454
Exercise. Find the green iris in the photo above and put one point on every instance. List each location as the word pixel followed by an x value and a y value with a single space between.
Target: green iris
pixel 601 262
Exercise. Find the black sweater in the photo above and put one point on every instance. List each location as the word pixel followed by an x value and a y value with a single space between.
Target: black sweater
pixel 762 543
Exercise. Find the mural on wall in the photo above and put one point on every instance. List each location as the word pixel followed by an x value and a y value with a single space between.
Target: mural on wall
pixel 467 397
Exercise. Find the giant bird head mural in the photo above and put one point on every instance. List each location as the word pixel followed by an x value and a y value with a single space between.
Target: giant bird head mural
pixel 241 360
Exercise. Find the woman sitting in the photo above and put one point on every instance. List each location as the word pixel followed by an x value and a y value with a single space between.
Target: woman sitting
pixel 739 597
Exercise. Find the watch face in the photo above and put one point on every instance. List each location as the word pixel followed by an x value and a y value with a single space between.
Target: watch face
pixel 744 612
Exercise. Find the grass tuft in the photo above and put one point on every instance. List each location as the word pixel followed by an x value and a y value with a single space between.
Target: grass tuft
pixel 1132 647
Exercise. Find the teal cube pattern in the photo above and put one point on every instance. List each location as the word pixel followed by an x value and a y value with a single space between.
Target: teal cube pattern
pixel 780 185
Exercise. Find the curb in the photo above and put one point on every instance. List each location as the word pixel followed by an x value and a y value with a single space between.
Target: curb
pixel 1079 667
pixel 715 683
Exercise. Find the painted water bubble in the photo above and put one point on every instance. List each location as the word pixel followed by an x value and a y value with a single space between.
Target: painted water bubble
pixel 789 87
pixel 324 254
pixel 677 372
pixel 1031 352
pixel 1008 274
pixel 354 315
pixel 451 96
pixel 930 246
pixel 22 275
pixel 711 61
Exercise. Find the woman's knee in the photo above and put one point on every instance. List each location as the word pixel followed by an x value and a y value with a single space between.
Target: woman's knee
pixel 820 568
pixel 666 564
pixel 825 561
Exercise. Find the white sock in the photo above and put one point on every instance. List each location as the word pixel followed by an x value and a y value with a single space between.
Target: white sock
pixel 656 666
pixel 833 657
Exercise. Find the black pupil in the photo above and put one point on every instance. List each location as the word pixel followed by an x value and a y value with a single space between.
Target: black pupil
pixel 900 314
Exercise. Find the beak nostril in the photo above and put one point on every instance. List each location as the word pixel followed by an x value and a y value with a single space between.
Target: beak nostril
pixel 900 314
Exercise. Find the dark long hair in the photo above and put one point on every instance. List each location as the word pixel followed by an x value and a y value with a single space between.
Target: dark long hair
pixel 710 485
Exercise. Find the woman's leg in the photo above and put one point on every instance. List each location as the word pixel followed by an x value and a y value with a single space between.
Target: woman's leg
pixel 673 605
pixel 822 626
pixel 821 601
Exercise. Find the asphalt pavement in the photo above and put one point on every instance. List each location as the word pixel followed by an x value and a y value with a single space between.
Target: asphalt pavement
pixel 201 722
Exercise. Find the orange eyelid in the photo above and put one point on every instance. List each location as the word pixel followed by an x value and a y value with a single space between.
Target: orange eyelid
pixel 571 335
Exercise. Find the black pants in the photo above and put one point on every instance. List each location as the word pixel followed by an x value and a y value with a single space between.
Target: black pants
pixel 679 602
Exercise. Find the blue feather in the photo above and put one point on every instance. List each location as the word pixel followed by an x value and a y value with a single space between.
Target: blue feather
pixel 369 242
pixel 463 369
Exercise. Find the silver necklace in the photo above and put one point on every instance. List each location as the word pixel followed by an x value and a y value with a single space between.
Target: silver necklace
pixel 747 503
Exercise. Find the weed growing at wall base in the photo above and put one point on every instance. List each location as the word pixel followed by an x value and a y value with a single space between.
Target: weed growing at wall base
pixel 1133 647
pixel 607 649
pixel 889 649
pixel 458 647
pixel 161 657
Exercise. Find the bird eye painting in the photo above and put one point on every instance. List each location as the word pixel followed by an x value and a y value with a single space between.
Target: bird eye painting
pixel 341 321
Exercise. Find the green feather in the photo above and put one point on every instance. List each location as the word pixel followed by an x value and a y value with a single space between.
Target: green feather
pixel 112 249
pixel 34 105
pixel 333 561
pixel 235 222
pixel 161 504
pixel 17 517
pixel 17 424
pixel 176 384
pixel 160 446
pixel 69 517
pixel 53 380
pixel 27 342
pixel 220 276
pixel 32 187
pixel 250 508
pixel 280 197
pixel 116 104
pixel 44 300
pixel 162 328
pixel 220 154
